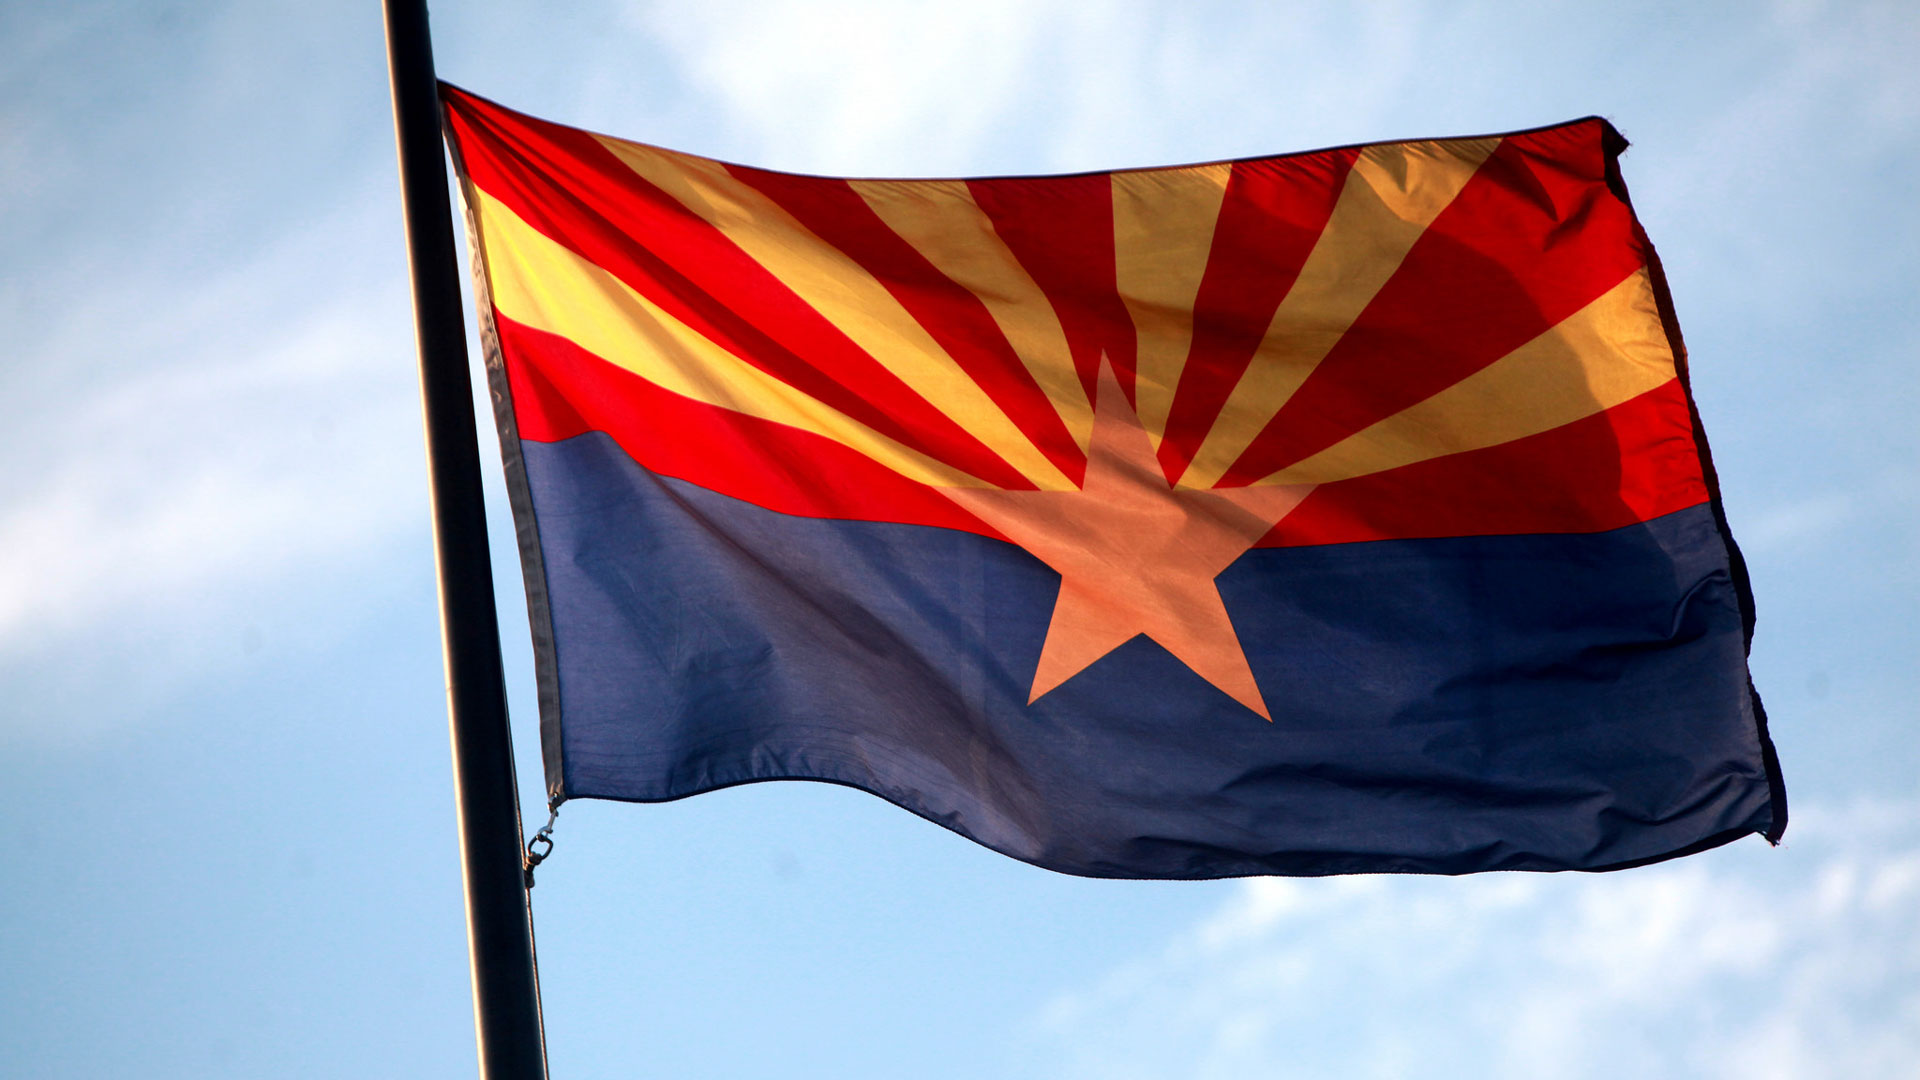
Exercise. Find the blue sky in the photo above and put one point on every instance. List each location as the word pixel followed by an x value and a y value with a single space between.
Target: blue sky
pixel 223 760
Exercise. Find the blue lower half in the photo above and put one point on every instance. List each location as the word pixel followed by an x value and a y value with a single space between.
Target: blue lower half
pixel 1439 706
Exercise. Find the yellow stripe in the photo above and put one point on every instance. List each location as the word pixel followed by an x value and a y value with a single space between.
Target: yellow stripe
pixel 1611 351
pixel 1163 223
pixel 944 224
pixel 839 289
pixel 539 283
pixel 1392 194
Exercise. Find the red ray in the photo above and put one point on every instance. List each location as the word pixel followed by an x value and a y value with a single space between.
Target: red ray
pixel 1061 230
pixel 1272 213
pixel 835 212
pixel 1535 236
pixel 1634 462
pixel 569 187
pixel 560 390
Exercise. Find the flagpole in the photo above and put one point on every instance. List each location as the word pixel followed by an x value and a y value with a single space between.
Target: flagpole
pixel 506 985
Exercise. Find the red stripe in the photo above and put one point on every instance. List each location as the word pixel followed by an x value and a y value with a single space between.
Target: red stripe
pixel 1533 237
pixel 560 390
pixel 953 315
pixel 1060 228
pixel 1632 463
pixel 565 184
pixel 1272 213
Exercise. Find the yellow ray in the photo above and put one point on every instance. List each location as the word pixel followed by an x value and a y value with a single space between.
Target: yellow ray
pixel 1392 194
pixel 839 289
pixel 539 283
pixel 1163 221
pixel 1611 351
pixel 944 224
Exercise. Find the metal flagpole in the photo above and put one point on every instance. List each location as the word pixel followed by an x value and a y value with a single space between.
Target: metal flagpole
pixel 506 986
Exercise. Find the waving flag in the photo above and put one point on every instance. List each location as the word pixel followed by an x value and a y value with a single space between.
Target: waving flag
pixel 1330 512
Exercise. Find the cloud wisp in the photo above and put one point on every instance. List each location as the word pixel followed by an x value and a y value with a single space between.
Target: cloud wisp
pixel 195 437
pixel 1745 962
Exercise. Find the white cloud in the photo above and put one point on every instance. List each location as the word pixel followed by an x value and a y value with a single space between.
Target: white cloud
pixel 208 360
pixel 193 438
pixel 1745 962
pixel 893 87
pixel 1803 520
pixel 854 85
pixel 1795 526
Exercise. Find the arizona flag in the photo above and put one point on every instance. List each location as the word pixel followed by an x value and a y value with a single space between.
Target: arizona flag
pixel 1323 513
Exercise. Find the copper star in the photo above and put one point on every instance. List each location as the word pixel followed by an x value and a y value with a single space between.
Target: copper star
pixel 1135 554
